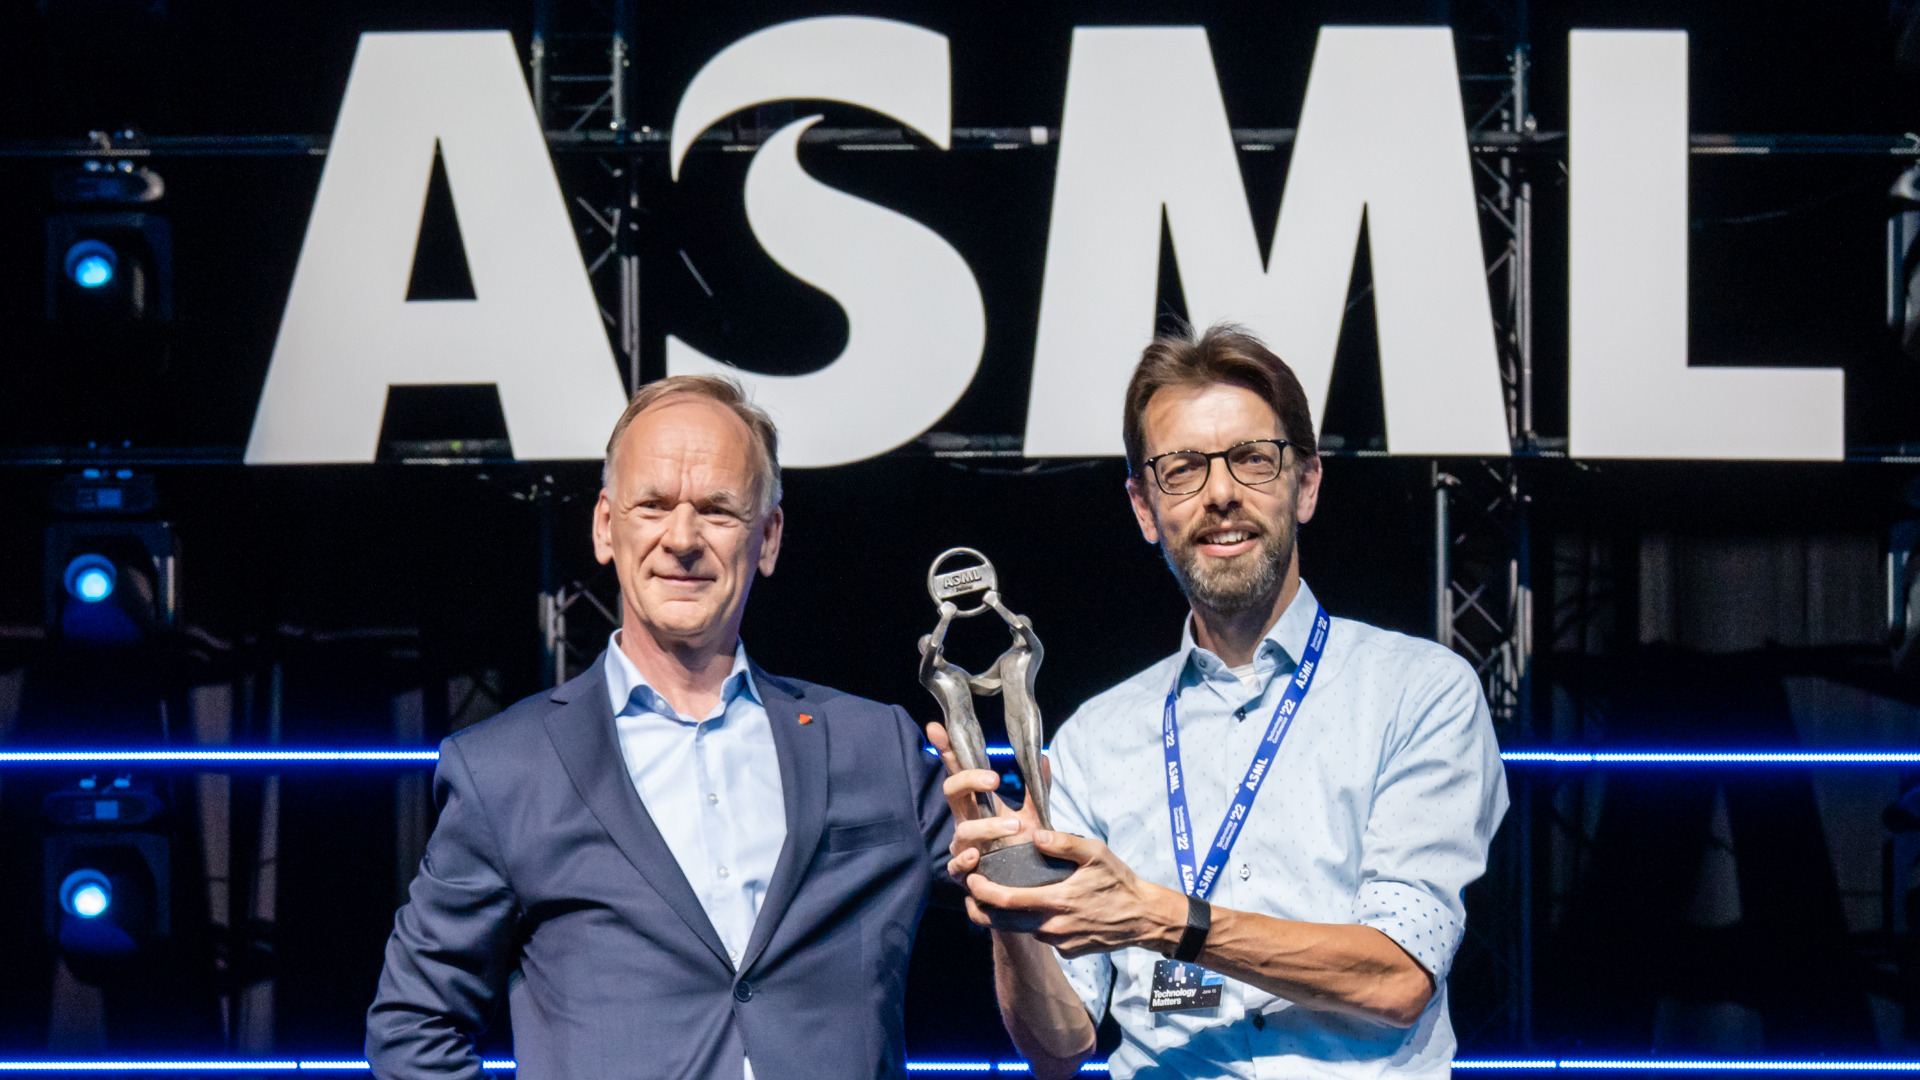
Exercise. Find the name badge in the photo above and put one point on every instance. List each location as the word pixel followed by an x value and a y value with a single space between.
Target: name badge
pixel 1178 987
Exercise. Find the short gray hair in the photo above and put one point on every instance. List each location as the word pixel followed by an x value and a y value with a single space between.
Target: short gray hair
pixel 727 392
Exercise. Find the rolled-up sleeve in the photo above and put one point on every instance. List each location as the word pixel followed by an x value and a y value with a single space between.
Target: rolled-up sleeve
pixel 1068 809
pixel 452 944
pixel 1440 795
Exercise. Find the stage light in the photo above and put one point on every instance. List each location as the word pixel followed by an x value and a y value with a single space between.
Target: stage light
pixel 107 878
pixel 86 893
pixel 91 264
pixel 108 583
pixel 108 273
pixel 90 578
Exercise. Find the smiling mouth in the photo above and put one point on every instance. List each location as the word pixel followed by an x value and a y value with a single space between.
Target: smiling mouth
pixel 1225 537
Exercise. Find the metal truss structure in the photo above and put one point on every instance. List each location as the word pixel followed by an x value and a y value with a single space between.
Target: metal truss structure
pixel 1483 596
pixel 578 61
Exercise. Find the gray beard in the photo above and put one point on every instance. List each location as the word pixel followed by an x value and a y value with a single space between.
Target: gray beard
pixel 1231 590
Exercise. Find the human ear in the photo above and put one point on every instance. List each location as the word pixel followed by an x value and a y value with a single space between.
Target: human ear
pixel 1308 494
pixel 603 528
pixel 770 533
pixel 1143 510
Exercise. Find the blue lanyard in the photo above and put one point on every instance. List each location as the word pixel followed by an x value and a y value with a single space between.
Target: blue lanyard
pixel 1200 882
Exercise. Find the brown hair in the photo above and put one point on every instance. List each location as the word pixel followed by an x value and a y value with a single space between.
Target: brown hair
pixel 1224 354
pixel 717 388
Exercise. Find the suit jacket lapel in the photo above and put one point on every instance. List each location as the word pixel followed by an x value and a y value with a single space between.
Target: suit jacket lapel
pixel 583 733
pixel 802 749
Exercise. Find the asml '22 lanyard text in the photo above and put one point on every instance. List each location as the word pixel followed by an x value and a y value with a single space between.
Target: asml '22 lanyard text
pixel 1186 986
pixel 1199 882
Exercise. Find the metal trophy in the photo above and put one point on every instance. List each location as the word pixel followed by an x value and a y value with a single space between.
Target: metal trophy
pixel 1017 864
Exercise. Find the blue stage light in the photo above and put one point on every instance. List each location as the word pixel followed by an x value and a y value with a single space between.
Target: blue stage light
pixel 86 893
pixel 91 264
pixel 90 578
pixel 427 756
pixel 1710 757
pixel 950 1066
pixel 218 757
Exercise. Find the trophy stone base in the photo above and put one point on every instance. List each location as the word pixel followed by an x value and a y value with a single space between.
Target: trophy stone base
pixel 1023 866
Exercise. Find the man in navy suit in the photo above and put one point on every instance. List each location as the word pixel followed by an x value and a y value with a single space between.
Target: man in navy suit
pixel 675 865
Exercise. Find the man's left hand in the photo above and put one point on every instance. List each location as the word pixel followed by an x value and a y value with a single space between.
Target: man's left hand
pixel 1103 907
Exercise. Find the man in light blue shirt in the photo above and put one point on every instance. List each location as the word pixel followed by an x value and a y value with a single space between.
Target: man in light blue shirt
pixel 1274 824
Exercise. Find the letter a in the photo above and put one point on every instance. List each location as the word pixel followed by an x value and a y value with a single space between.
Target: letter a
pixel 349 332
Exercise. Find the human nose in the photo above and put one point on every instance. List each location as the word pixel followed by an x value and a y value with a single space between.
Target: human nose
pixel 682 535
pixel 1222 489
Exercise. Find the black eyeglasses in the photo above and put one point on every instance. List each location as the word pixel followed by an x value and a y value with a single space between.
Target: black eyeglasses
pixel 1183 472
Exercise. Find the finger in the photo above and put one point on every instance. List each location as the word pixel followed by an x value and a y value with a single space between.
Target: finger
pixel 943 745
pixel 964 862
pixel 996 895
pixel 982 830
pixel 976 914
pixel 969 782
pixel 1067 846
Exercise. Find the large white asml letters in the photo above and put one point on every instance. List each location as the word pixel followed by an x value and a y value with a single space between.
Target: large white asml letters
pixel 1381 137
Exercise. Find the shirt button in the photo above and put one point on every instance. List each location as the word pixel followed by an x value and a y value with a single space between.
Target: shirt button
pixel 1245 871
pixel 723 871
pixel 743 991
pixel 1259 1021
pixel 712 799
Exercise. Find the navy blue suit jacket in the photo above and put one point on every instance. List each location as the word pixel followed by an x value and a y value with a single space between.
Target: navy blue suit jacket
pixel 545 878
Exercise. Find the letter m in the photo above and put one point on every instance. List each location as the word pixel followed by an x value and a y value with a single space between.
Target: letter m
pixel 1381 134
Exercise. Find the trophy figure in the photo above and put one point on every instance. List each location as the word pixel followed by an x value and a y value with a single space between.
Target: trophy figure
pixel 1017 864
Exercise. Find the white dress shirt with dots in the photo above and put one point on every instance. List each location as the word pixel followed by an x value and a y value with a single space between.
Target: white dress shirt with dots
pixel 1378 811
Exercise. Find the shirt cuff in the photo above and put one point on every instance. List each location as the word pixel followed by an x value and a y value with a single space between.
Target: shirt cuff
pixel 1416 922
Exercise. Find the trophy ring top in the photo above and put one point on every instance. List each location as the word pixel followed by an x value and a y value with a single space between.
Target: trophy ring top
pixel 945 586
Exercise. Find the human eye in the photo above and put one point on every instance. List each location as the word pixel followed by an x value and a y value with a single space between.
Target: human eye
pixel 721 512
pixel 1178 468
pixel 1257 455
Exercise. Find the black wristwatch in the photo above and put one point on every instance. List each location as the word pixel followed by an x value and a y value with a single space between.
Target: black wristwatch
pixel 1199 921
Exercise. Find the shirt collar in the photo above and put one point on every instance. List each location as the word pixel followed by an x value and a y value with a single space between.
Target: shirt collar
pixel 1287 637
pixel 623 678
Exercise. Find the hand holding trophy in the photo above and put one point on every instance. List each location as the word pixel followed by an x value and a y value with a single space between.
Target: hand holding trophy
pixel 1017 864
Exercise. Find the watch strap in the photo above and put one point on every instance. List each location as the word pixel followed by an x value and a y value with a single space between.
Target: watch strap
pixel 1199 921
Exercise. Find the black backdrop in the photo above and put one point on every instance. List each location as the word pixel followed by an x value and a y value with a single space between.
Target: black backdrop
pixel 296 564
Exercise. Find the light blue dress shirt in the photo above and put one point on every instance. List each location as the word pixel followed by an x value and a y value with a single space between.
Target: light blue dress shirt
pixel 1378 811
pixel 712 787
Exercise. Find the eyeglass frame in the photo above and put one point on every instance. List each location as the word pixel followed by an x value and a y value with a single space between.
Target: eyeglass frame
pixel 1280 446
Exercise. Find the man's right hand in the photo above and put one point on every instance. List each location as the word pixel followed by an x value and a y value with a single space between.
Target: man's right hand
pixel 1039 1007
pixel 974 830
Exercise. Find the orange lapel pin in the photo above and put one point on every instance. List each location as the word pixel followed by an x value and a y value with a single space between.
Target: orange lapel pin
pixel 806 718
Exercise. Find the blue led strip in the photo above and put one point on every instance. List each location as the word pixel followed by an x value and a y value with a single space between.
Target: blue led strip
pixel 427 756
pixel 217 757
pixel 1710 757
pixel 939 1067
